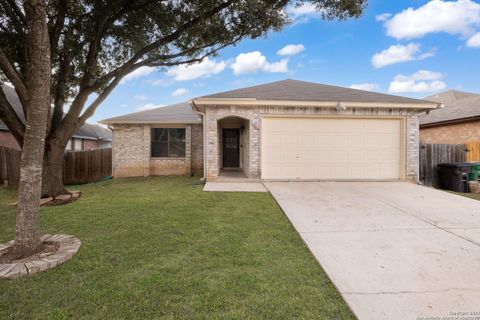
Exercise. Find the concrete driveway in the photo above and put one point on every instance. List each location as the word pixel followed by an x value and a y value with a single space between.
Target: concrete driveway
pixel 394 250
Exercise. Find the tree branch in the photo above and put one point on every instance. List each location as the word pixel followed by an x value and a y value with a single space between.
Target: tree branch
pixel 15 14
pixel 17 11
pixel 165 40
pixel 14 77
pixel 86 87
pixel 94 105
pixel 11 119
pixel 109 76
pixel 58 26
pixel 60 87
pixel 178 32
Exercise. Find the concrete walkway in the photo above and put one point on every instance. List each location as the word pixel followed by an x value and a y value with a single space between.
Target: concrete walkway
pixel 234 187
pixel 394 250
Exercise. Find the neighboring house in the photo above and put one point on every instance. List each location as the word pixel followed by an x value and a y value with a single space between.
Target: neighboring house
pixel 285 130
pixel 456 123
pixel 88 137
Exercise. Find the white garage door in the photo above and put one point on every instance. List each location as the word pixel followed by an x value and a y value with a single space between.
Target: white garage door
pixel 331 148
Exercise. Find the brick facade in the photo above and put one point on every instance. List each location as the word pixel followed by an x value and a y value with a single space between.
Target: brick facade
pixel 197 149
pixel 457 133
pixel 253 114
pixel 131 143
pixel 7 140
pixel 95 144
pixel 132 157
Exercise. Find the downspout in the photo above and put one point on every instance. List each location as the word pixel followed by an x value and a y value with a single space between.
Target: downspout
pixel 204 127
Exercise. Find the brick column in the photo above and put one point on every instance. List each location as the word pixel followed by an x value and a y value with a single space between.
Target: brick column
pixel 254 145
pixel 412 146
pixel 212 146
pixel 146 150
pixel 188 148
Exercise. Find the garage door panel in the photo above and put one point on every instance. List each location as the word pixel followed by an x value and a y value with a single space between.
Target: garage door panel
pixel 334 149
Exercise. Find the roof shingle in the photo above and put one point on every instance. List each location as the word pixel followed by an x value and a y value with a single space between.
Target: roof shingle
pixel 176 113
pixel 457 105
pixel 295 90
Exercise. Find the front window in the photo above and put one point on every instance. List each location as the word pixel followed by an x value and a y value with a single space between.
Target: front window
pixel 168 142
pixel 77 144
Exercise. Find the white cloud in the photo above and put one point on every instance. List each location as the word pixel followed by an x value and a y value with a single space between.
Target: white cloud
pixel 138 73
pixel 419 82
pixel 140 97
pixel 305 9
pixel 366 86
pixel 255 61
pixel 459 17
pixel 474 41
pixel 202 69
pixel 180 92
pixel 383 17
pixel 291 50
pixel 303 13
pixel 399 53
pixel 148 106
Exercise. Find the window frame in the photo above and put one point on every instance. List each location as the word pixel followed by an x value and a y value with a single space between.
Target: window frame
pixel 168 142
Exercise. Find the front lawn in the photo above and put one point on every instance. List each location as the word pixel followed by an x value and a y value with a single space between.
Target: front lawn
pixel 474 196
pixel 161 248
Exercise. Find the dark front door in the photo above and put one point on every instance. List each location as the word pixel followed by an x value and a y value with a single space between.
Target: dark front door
pixel 231 148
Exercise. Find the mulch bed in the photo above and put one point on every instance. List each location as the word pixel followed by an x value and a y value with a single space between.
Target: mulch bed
pixel 46 248
pixel 58 200
pixel 56 249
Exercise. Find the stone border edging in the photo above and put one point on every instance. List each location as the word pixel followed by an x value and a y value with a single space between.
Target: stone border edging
pixel 68 247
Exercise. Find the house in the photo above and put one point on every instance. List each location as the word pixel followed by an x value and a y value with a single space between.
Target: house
pixel 456 123
pixel 284 130
pixel 88 137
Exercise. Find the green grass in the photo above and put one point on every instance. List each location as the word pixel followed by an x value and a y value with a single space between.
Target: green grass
pixel 160 248
pixel 468 195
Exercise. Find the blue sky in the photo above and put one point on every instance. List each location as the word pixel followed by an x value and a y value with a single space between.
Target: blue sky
pixel 411 48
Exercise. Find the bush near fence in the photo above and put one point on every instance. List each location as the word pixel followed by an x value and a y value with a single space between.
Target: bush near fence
pixel 79 166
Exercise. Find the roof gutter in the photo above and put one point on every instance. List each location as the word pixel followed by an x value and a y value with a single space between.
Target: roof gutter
pixel 448 122
pixel 204 127
pixel 427 105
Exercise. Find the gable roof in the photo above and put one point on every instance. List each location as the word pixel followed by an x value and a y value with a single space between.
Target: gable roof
pixel 285 91
pixel 450 96
pixel 459 106
pixel 302 91
pixel 175 113
pixel 87 131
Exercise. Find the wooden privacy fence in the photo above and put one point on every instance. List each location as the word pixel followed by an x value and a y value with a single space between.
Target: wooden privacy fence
pixel 78 167
pixel 9 166
pixel 87 166
pixel 433 154
pixel 473 153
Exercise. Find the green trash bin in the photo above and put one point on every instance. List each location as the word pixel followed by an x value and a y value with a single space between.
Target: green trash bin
pixel 475 171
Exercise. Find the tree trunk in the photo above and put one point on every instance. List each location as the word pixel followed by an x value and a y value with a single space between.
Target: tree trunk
pixel 27 233
pixel 52 182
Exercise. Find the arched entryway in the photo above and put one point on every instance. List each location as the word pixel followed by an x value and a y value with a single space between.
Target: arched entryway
pixel 233 138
